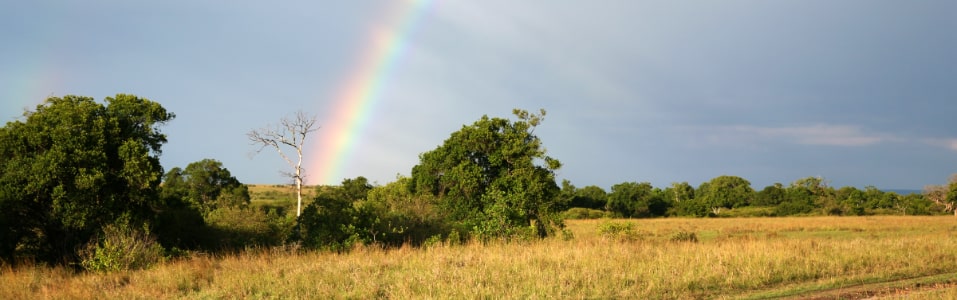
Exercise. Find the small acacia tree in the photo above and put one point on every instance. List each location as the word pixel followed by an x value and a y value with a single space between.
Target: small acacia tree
pixel 944 195
pixel 291 132
pixel 493 178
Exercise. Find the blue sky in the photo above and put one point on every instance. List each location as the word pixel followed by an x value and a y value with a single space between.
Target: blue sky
pixel 859 92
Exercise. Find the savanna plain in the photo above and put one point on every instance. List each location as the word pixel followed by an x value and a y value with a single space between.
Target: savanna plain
pixel 674 258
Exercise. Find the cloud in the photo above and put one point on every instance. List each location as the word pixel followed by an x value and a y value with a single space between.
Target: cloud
pixel 949 143
pixel 818 134
pixel 821 134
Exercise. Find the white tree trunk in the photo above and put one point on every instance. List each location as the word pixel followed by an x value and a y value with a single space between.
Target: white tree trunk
pixel 298 196
pixel 291 133
pixel 299 181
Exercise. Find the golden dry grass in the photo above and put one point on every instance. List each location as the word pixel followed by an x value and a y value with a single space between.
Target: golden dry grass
pixel 734 258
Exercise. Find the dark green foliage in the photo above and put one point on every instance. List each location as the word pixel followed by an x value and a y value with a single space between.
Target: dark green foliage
pixel 694 207
pixel 684 236
pixel 401 216
pixel 74 165
pixel 205 207
pixel 916 204
pixel 797 202
pixel 770 196
pixel 681 197
pixel 726 192
pixel 331 221
pixel 579 213
pixel 358 213
pixel 636 200
pixel 850 201
pixel 877 199
pixel 591 196
pixel 329 227
pixel 234 228
pixel 205 185
pixel 183 227
pixel 493 179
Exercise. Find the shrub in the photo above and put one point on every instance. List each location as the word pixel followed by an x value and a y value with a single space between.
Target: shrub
pixel 618 230
pixel 793 208
pixel 121 247
pixel 684 236
pixel 234 227
pixel 433 241
pixel 328 224
pixel 580 213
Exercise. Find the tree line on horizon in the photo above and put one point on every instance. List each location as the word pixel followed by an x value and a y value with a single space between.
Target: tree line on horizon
pixel 81 185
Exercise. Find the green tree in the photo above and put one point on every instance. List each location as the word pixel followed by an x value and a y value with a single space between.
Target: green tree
pixel 332 221
pixel 800 196
pixel 632 199
pixel 679 192
pixel 726 192
pixel 770 196
pixel 394 215
pixel 205 185
pixel 591 196
pixel 878 199
pixel 493 178
pixel 851 200
pixel 944 195
pixel 682 199
pixel 918 204
pixel 74 165
pixel 567 195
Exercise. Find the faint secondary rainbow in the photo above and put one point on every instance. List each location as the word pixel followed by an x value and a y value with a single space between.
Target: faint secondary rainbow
pixel 354 106
pixel 35 81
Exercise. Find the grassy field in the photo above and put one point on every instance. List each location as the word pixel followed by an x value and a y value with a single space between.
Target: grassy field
pixel 259 193
pixel 756 258
pixel 281 197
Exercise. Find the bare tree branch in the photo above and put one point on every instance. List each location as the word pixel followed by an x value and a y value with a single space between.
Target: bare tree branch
pixel 291 132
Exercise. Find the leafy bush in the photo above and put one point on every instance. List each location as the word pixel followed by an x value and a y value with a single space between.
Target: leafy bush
pixel 234 227
pixel 579 213
pixel 791 208
pixel 433 241
pixel 329 224
pixel 684 236
pixel 618 230
pixel 121 247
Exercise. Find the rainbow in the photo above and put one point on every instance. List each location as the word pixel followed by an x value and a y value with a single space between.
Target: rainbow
pixel 35 82
pixel 354 106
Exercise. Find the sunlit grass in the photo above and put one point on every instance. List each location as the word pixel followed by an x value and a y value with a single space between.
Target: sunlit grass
pixel 278 196
pixel 732 258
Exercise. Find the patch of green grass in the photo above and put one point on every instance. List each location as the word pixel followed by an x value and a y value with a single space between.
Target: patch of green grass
pixel 281 198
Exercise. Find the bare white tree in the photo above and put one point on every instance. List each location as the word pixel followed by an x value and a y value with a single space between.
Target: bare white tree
pixel 939 194
pixel 291 132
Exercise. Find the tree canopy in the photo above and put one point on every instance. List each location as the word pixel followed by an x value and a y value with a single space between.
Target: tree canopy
pixel 205 185
pixel 74 165
pixel 493 177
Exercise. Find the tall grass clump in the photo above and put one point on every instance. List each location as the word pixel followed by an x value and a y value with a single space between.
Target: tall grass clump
pixel 618 230
pixel 121 247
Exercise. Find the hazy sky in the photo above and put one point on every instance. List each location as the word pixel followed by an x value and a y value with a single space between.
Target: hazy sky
pixel 859 92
